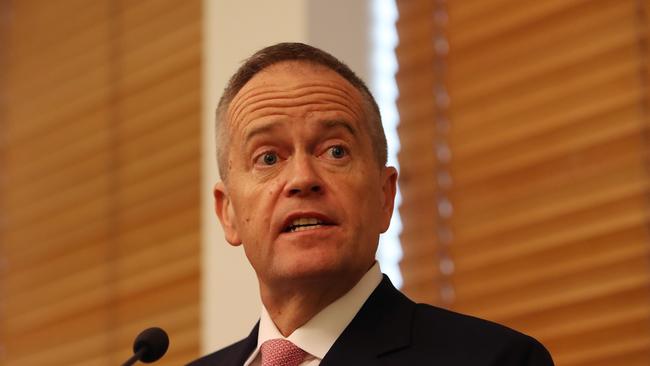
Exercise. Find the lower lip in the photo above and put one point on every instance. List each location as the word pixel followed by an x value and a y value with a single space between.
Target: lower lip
pixel 317 230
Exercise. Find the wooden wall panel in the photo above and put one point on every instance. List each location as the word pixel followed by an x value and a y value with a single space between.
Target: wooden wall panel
pixel 99 179
pixel 525 128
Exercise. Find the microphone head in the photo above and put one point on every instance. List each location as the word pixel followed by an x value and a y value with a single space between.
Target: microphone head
pixel 154 343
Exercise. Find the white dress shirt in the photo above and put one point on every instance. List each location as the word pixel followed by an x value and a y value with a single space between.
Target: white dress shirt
pixel 317 336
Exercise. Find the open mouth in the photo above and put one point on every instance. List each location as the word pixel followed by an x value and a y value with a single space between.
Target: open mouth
pixel 303 224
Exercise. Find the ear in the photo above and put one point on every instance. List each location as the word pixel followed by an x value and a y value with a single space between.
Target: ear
pixel 389 188
pixel 226 214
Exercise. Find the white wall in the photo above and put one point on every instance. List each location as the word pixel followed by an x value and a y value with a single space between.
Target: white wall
pixel 342 28
pixel 233 30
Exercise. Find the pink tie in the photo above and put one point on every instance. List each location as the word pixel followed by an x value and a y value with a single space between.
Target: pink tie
pixel 281 352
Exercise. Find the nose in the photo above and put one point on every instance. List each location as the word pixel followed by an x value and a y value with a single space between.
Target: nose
pixel 303 179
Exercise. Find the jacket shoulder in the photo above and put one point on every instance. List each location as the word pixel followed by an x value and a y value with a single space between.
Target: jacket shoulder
pixel 472 338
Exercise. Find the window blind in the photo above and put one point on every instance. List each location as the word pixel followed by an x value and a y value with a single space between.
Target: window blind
pixel 99 179
pixel 524 134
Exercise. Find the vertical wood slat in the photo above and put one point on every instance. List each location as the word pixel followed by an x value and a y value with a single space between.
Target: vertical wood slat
pixel 99 152
pixel 549 170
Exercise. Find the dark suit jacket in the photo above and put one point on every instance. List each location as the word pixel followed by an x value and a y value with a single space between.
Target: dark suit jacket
pixel 390 329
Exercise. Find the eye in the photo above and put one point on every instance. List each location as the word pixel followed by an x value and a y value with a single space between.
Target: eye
pixel 337 152
pixel 267 158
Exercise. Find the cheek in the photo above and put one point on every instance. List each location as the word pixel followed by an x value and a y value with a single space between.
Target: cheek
pixel 357 201
pixel 368 191
pixel 258 209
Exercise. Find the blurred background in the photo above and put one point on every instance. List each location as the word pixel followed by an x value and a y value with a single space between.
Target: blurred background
pixel 521 130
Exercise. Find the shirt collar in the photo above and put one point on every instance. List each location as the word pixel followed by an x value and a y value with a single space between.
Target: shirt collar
pixel 318 335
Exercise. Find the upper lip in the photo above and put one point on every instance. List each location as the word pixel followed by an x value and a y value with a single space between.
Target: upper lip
pixel 323 218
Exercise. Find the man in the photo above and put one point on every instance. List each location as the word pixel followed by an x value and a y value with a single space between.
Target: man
pixel 306 191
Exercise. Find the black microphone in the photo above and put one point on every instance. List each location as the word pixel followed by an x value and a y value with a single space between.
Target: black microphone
pixel 149 346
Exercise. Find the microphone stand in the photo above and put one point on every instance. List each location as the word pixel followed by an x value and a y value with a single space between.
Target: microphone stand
pixel 135 358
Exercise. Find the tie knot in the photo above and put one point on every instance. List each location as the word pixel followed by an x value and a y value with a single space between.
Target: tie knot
pixel 281 352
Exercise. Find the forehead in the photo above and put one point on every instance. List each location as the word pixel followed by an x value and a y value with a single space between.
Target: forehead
pixel 294 87
pixel 289 74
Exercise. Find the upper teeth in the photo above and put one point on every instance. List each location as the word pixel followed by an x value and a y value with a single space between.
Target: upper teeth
pixel 305 221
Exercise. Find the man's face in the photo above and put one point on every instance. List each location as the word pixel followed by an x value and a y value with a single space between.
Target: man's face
pixel 304 192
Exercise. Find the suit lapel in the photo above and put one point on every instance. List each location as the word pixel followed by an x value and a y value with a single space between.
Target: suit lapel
pixel 246 347
pixel 233 355
pixel 382 325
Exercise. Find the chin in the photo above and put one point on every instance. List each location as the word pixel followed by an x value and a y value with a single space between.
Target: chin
pixel 312 268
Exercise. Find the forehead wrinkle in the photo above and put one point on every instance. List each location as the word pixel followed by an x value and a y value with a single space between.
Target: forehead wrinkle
pixel 245 94
pixel 262 92
pixel 240 100
pixel 282 106
pixel 275 94
pixel 346 89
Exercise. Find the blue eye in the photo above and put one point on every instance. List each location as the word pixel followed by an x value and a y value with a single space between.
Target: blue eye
pixel 337 151
pixel 269 158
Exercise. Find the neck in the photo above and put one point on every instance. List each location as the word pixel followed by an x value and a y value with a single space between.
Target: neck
pixel 291 306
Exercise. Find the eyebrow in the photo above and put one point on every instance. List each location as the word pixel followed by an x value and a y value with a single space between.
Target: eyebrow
pixel 331 124
pixel 260 129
